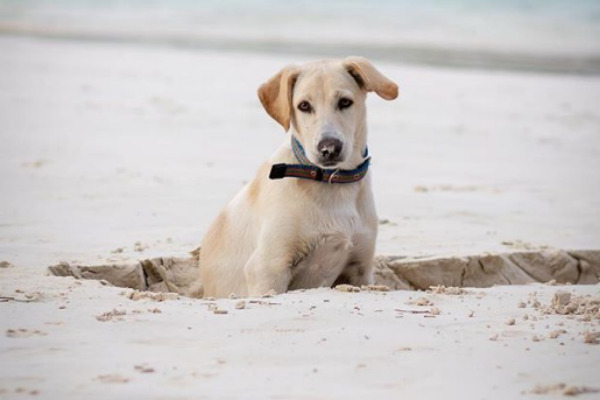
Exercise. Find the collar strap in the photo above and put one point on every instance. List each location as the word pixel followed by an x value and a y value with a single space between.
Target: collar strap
pixel 307 170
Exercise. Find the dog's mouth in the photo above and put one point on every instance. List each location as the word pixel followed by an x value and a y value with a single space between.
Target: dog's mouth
pixel 325 163
pixel 329 164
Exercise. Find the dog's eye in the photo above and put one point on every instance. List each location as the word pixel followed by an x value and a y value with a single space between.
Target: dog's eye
pixel 344 103
pixel 305 106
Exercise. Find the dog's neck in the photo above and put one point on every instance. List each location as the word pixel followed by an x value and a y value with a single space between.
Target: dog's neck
pixel 303 168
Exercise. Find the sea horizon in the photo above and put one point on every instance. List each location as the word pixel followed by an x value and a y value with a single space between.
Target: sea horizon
pixel 540 36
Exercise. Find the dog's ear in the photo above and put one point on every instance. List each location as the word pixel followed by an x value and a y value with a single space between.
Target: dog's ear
pixel 276 95
pixel 369 78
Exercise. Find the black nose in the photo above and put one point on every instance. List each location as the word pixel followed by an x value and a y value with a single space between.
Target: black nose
pixel 329 149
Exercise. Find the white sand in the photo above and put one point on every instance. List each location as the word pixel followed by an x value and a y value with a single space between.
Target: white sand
pixel 105 145
pixel 322 344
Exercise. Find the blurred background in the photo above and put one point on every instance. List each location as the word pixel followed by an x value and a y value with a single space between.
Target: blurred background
pixel 126 125
pixel 553 35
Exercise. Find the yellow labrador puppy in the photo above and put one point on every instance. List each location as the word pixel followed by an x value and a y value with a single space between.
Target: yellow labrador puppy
pixel 308 218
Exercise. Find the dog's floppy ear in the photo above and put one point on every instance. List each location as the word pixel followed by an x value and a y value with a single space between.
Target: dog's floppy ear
pixel 369 78
pixel 276 95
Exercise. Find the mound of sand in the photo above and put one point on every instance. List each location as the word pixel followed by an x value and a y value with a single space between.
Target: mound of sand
pixel 441 275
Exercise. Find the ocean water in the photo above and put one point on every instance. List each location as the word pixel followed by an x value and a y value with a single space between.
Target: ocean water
pixel 546 35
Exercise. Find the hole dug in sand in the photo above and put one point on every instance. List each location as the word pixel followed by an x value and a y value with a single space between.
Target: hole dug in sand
pixel 438 275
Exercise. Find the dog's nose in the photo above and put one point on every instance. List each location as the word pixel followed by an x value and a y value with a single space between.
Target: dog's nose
pixel 330 149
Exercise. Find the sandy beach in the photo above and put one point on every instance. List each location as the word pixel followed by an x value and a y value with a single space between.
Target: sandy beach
pixel 79 339
pixel 108 145
pixel 114 152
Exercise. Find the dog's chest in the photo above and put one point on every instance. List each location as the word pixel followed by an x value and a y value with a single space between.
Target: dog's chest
pixel 337 217
pixel 344 212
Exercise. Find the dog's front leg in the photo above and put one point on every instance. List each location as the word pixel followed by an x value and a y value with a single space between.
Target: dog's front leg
pixel 268 269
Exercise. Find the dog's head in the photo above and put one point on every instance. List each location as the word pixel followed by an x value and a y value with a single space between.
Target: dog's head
pixel 324 103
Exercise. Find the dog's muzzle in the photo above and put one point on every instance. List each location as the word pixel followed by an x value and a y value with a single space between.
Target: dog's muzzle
pixel 329 151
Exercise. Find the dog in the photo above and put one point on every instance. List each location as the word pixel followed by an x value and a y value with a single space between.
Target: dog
pixel 308 218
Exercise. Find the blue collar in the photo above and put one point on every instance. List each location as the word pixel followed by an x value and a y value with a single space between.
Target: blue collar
pixel 308 170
